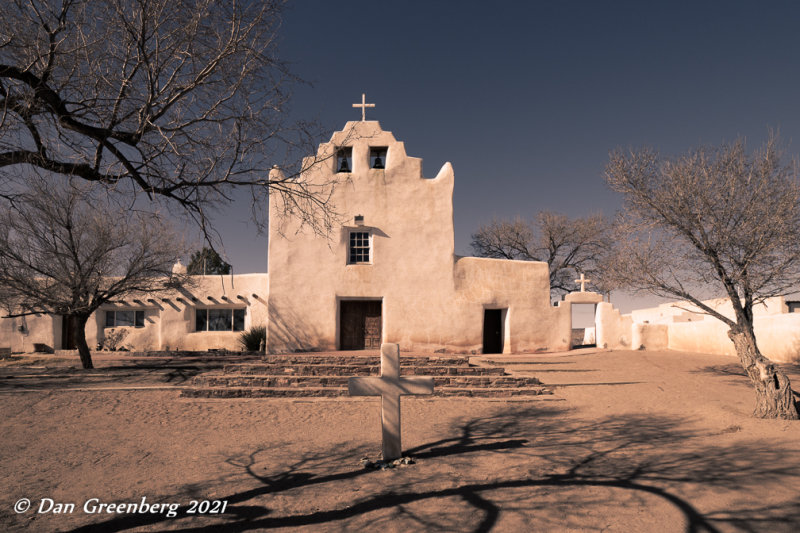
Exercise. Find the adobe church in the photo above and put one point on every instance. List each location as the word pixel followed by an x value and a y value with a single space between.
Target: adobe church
pixel 390 274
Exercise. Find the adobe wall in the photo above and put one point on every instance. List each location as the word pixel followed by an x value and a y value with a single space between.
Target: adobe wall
pixel 21 333
pixel 522 287
pixel 613 330
pixel 777 331
pixel 649 336
pixel 778 337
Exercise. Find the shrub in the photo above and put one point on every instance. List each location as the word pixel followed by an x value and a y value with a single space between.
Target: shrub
pixel 112 339
pixel 252 338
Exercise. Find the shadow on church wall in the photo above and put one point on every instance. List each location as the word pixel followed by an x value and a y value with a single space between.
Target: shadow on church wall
pixel 288 332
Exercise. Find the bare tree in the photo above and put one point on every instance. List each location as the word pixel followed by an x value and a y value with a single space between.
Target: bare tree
pixel 568 246
pixel 182 100
pixel 719 219
pixel 66 251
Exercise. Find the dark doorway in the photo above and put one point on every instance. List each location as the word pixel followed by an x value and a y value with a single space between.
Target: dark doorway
pixel 492 331
pixel 68 333
pixel 360 323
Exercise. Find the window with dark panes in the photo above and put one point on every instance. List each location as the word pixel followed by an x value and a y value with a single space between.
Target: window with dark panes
pixel 359 247
pixel 219 320
pixel 238 320
pixel 201 320
pixel 128 318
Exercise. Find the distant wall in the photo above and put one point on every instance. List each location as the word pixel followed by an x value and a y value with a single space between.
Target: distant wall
pixel 778 337
pixel 777 331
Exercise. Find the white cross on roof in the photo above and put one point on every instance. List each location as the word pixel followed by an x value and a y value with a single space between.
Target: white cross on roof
pixel 363 105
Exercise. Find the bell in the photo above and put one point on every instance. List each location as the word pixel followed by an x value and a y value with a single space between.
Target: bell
pixel 343 166
pixel 378 162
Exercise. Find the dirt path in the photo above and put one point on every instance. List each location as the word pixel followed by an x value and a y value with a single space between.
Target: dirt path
pixel 630 441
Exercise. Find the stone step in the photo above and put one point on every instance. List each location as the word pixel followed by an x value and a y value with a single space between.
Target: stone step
pixel 228 380
pixel 332 359
pixel 297 392
pixel 358 370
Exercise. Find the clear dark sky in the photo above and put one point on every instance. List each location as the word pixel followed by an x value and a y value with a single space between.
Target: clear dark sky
pixel 526 99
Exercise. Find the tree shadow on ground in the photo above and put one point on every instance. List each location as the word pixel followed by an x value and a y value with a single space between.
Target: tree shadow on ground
pixel 726 369
pixel 528 462
pixel 149 373
pixel 735 369
pixel 738 375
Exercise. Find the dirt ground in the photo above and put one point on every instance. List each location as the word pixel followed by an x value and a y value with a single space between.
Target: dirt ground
pixel 630 441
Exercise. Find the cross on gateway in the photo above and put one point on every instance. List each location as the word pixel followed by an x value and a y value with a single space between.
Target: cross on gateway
pixel 583 281
pixel 363 105
pixel 390 386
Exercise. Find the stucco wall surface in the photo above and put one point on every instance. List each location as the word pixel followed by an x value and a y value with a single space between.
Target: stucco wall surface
pixel 613 329
pixel 778 337
pixel 649 336
pixel 21 333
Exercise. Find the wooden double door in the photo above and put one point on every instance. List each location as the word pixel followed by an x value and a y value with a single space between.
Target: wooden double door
pixel 360 324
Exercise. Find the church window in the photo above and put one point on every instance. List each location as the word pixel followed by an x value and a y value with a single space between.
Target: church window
pixel 377 157
pixel 344 160
pixel 359 247
pixel 219 320
pixel 115 319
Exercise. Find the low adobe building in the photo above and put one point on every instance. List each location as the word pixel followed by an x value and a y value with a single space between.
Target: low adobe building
pixel 210 313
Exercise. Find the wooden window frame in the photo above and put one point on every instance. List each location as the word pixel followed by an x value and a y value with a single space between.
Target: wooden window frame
pixel 356 248
pixel 138 318
pixel 206 320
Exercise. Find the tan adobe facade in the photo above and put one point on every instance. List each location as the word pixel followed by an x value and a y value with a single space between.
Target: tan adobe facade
pixel 391 271
pixel 164 321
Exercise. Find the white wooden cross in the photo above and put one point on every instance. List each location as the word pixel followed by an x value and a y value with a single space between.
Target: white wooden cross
pixel 363 105
pixel 583 281
pixel 390 386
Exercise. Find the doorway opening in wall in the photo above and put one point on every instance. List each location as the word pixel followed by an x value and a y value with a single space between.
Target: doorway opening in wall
pixel 68 333
pixel 360 324
pixel 493 326
pixel 583 326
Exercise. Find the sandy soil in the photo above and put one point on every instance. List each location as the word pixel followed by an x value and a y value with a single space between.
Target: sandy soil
pixel 630 441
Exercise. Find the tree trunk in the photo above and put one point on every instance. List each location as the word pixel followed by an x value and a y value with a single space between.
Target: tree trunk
pixel 774 397
pixel 80 340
